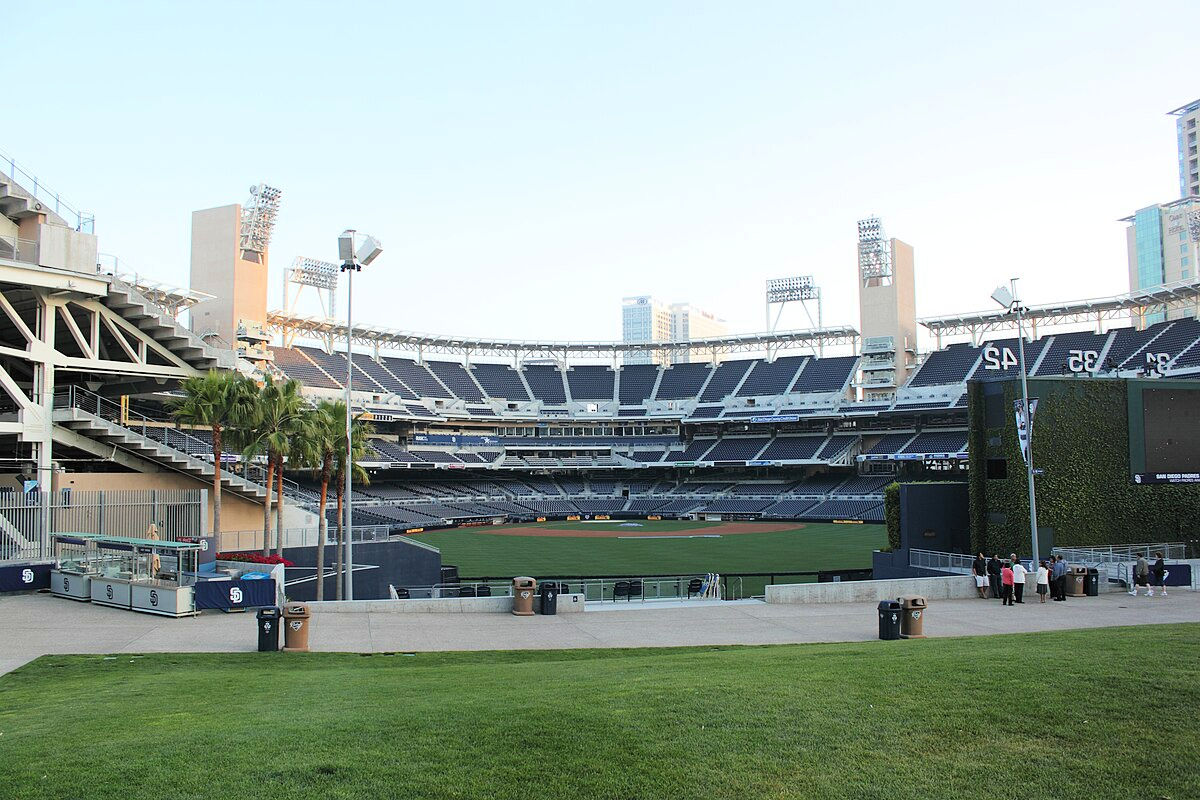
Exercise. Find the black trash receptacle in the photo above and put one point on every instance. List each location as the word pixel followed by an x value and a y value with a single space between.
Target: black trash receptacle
pixel 549 597
pixel 268 630
pixel 889 619
pixel 1091 582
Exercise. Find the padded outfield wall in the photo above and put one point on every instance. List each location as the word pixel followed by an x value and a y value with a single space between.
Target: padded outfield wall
pixel 1088 494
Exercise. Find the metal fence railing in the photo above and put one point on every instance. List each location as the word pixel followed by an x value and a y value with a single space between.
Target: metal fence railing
pixel 936 559
pixel 27 519
pixel 80 220
pixel 597 589
pixel 24 250
pixel 1120 553
pixel 250 540
pixel 164 432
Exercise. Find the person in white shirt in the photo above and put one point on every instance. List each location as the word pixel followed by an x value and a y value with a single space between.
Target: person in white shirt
pixel 1018 578
pixel 1043 581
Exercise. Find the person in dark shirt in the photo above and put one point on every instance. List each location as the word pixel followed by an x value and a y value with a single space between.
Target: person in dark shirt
pixel 1158 575
pixel 993 571
pixel 979 571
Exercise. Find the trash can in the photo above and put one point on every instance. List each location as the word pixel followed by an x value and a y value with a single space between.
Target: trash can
pixel 1091 582
pixel 1075 580
pixel 523 590
pixel 889 620
pixel 295 628
pixel 548 594
pixel 912 620
pixel 268 629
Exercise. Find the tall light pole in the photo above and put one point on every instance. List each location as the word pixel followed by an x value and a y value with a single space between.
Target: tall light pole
pixel 355 251
pixel 1007 297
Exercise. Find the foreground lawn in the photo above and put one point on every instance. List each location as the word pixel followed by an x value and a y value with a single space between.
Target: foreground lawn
pixel 813 546
pixel 1079 714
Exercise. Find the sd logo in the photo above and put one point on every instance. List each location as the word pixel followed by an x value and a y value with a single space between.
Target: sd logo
pixel 154 598
pixel 235 594
pixel 26 576
pixel 108 592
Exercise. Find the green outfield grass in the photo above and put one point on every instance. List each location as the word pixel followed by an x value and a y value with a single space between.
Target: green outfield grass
pixel 809 547
pixel 1064 715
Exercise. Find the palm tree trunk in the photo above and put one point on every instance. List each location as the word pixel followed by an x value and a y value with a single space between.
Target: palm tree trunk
pixel 279 508
pixel 338 545
pixel 266 548
pixel 322 530
pixel 216 436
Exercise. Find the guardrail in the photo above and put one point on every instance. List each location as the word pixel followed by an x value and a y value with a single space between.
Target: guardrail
pixel 23 250
pixel 245 540
pixel 163 431
pixel 936 559
pixel 1120 553
pixel 84 222
pixel 610 589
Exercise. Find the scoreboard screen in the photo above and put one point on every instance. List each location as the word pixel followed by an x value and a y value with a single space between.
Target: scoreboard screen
pixel 1170 429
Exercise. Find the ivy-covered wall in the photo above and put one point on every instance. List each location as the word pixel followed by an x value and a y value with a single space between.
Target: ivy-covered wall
pixel 891 514
pixel 1081 440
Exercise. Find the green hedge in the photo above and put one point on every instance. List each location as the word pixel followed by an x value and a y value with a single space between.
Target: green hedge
pixel 891 514
pixel 1086 496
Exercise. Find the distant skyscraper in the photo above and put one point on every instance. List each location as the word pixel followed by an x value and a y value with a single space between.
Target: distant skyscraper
pixel 1162 248
pixel 1187 121
pixel 646 319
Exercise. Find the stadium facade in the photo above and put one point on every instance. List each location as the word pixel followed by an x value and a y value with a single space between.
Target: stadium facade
pixel 808 424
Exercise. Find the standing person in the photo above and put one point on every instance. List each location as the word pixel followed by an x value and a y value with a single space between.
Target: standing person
pixel 1141 577
pixel 979 570
pixel 1043 581
pixel 1019 572
pixel 1159 571
pixel 1058 576
pixel 993 571
pixel 1006 584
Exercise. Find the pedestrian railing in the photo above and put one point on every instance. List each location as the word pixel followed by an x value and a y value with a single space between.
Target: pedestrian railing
pixel 936 559
pixel 1120 553
pixel 251 540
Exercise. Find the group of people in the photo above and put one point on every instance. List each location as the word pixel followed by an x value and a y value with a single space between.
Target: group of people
pixel 1005 579
pixel 1149 577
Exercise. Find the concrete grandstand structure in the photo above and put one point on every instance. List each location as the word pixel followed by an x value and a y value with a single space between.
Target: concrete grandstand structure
pixel 471 430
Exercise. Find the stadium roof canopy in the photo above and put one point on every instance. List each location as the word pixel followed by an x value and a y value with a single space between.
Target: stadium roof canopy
pixel 1169 296
pixel 329 331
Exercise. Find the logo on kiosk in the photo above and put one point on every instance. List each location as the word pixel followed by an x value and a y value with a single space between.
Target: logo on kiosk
pixel 66 584
pixel 108 591
pixel 26 576
pixel 154 598
pixel 204 545
pixel 235 594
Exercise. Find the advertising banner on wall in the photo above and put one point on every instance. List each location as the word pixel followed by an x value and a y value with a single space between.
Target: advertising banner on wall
pixel 1024 424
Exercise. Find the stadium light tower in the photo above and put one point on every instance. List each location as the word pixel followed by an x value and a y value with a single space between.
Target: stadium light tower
pixel 355 250
pixel 1007 297
pixel 800 289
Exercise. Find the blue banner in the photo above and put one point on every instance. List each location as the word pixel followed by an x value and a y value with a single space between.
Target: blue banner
pixel 235 594
pixel 24 577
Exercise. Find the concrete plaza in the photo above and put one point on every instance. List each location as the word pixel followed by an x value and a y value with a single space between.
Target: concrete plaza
pixel 32 625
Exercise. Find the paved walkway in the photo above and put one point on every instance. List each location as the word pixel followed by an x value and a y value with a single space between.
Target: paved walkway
pixel 37 624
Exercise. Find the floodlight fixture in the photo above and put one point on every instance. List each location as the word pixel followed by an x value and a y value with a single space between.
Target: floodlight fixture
pixel 258 221
pixel 311 272
pixel 1003 296
pixel 787 290
pixel 874 253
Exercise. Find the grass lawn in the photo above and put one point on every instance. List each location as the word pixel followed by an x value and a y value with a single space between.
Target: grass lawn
pixel 1075 714
pixel 812 546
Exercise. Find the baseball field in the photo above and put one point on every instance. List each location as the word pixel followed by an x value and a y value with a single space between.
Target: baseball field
pixel 635 548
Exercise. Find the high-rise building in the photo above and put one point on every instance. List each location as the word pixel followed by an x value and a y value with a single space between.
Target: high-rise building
pixel 887 308
pixel 1187 124
pixel 1162 243
pixel 689 322
pixel 647 319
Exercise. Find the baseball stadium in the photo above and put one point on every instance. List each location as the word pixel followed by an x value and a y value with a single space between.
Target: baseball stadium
pixel 260 546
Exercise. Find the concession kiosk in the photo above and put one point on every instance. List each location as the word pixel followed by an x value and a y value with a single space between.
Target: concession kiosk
pixel 146 575
pixel 75 558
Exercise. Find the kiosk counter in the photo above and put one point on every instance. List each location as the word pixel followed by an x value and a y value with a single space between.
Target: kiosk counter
pixel 147 575
pixel 76 561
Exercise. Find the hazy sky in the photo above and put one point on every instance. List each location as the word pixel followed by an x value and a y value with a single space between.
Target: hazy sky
pixel 528 164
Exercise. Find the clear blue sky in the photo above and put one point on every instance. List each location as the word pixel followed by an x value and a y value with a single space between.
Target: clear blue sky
pixel 528 164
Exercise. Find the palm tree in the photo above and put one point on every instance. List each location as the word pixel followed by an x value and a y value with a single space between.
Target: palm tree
pixel 219 400
pixel 278 419
pixel 316 450
pixel 359 431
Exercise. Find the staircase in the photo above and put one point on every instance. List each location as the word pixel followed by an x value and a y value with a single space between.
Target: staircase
pixel 100 419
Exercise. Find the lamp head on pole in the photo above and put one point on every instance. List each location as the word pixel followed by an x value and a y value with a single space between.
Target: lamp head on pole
pixel 357 250
pixel 1003 296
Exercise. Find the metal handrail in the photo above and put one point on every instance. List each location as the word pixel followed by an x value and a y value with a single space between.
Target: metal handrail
pixel 1121 553
pixel 84 222
pixel 174 438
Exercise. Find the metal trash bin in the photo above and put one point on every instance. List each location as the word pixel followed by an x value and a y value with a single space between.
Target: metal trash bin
pixel 268 629
pixel 523 590
pixel 912 620
pixel 1091 582
pixel 548 595
pixel 295 628
pixel 889 620
pixel 1074 581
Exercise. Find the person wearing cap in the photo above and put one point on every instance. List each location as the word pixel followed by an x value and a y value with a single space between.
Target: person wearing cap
pixel 979 570
pixel 1018 579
